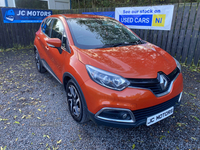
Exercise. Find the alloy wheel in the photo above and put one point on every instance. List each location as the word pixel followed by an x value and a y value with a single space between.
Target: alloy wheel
pixel 74 102
pixel 37 60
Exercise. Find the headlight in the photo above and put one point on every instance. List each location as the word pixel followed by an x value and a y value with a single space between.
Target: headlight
pixel 107 79
pixel 178 64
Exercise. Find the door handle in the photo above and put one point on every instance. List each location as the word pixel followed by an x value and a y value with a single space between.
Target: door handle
pixel 47 48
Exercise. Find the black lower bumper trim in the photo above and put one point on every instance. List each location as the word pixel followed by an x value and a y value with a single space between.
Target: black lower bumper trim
pixel 113 123
pixel 122 124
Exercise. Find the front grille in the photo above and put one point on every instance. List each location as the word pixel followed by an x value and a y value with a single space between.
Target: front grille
pixel 154 84
pixel 150 111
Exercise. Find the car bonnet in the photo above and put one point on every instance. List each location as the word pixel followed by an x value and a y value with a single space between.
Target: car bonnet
pixel 135 61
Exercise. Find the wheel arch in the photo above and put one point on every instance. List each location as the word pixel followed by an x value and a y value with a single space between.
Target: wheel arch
pixel 66 77
pixel 35 48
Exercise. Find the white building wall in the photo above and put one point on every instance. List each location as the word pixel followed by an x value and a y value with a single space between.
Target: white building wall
pixel 59 4
pixel 2 3
pixel 52 4
pixel 11 3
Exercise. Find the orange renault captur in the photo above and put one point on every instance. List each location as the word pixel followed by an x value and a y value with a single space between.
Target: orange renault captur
pixel 110 75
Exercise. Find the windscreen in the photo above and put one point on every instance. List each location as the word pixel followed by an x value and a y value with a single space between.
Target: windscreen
pixel 93 33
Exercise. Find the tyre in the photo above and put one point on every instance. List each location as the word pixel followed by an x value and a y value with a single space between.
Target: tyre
pixel 38 62
pixel 76 102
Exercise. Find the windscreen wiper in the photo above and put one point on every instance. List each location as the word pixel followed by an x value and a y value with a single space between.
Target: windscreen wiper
pixel 113 45
pixel 120 44
pixel 138 42
pixel 123 44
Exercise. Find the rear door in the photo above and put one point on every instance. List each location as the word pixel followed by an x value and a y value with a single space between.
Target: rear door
pixel 45 34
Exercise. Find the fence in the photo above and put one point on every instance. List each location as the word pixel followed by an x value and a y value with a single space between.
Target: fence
pixel 182 41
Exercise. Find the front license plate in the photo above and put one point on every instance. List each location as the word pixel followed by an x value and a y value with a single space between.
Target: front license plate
pixel 160 116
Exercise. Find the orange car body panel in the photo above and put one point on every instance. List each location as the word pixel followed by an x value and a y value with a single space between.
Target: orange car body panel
pixel 136 61
pixel 130 98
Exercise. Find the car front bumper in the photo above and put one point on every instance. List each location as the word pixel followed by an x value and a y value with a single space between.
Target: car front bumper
pixel 142 103
pixel 140 116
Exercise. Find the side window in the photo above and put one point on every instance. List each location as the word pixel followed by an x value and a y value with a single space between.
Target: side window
pixel 59 32
pixel 57 29
pixel 46 26
pixel 64 40
pixel 42 25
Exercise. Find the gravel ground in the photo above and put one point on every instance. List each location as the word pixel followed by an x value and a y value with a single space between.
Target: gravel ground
pixel 34 115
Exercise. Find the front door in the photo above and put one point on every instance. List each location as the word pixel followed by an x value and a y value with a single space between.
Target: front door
pixel 57 58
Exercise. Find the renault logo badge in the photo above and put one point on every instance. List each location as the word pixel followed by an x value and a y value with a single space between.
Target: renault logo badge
pixel 163 82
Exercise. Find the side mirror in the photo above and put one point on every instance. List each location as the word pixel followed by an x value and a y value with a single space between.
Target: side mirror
pixel 55 43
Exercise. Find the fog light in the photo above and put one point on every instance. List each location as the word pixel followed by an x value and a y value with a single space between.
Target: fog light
pixel 180 97
pixel 116 114
pixel 124 116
